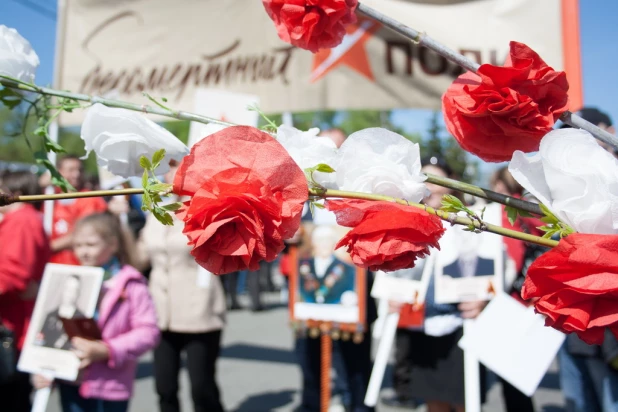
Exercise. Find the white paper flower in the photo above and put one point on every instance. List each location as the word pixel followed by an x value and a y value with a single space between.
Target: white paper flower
pixel 17 59
pixel 308 150
pixel 575 178
pixel 119 137
pixel 379 161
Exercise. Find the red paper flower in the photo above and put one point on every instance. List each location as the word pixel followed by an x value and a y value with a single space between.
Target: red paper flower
pixel 311 24
pixel 507 108
pixel 386 236
pixel 247 196
pixel 577 286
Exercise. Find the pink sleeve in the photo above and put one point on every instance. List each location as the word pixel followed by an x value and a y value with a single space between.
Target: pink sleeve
pixel 144 334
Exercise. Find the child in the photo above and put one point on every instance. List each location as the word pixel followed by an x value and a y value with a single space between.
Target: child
pixel 125 315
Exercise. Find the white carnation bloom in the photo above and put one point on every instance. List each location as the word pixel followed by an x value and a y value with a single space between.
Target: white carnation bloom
pixel 308 150
pixel 17 58
pixel 376 160
pixel 119 137
pixel 575 178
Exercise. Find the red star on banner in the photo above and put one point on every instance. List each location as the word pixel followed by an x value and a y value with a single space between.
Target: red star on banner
pixel 351 52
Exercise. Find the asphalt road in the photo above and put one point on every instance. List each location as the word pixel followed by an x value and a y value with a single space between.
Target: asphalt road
pixel 257 371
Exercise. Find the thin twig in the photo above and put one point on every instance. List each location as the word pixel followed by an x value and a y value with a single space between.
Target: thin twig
pixel 484 193
pixel 459 220
pixel 6 199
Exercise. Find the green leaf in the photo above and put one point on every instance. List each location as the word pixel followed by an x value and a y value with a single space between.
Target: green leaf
pixel 324 168
pixel 145 163
pixel 52 146
pixel 511 213
pixel 158 187
pixel 524 213
pixel 57 179
pixel 40 131
pixel 162 216
pixel 157 157
pixel 172 207
pixel 146 202
pixel 319 205
pixel 450 200
pixel 145 179
pixel 10 98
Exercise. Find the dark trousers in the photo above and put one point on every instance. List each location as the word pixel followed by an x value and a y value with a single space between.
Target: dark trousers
pixel 72 401
pixel 230 285
pixel 514 399
pixel 402 370
pixel 254 284
pixel 357 362
pixel 15 393
pixel 202 352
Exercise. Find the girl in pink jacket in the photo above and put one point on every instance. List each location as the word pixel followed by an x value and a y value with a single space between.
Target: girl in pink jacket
pixel 125 315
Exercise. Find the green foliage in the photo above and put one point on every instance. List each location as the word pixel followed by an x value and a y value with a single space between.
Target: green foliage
pixel 154 189
pixel 10 98
pixel 321 167
pixel 452 204
pixel 512 214
pixel 553 225
pixel 179 128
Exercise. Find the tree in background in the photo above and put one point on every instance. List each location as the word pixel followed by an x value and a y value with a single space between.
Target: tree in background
pixel 439 144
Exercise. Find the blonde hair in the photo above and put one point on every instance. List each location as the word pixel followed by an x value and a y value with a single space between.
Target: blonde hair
pixel 108 226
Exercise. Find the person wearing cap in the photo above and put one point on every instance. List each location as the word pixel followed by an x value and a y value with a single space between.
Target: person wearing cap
pixel 589 373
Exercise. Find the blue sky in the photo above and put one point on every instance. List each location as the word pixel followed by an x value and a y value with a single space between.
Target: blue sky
pixel 598 40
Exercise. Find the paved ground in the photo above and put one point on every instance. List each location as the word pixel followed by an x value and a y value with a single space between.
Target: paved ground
pixel 257 370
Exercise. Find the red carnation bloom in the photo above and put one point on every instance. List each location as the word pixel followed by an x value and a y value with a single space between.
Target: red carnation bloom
pixel 386 236
pixel 577 286
pixel 247 196
pixel 504 109
pixel 311 24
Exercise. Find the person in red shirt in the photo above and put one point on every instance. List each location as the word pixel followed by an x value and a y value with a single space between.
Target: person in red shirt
pixel 24 252
pixel 68 212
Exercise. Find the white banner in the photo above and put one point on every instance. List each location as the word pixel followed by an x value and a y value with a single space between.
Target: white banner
pixel 171 48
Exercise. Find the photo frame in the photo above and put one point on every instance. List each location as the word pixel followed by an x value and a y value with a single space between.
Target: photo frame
pixel 66 292
pixel 326 289
pixel 470 266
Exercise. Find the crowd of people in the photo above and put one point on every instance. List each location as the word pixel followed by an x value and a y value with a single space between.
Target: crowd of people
pixel 155 297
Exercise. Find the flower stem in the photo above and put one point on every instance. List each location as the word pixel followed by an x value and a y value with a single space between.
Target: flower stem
pixel 484 193
pixel 161 111
pixel 7 199
pixel 449 217
pixel 423 40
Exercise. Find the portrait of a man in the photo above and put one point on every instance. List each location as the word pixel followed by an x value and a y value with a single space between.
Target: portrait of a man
pixel 52 334
pixel 324 278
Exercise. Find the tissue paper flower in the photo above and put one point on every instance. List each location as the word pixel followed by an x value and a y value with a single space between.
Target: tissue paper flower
pixel 575 178
pixel 17 59
pixel 311 24
pixel 503 109
pixel 379 161
pixel 385 236
pixel 246 197
pixel 119 137
pixel 576 284
pixel 308 150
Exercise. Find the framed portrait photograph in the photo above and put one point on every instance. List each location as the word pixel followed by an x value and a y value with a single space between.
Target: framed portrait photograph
pixel 325 286
pixel 66 293
pixel 470 266
pixel 404 285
